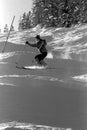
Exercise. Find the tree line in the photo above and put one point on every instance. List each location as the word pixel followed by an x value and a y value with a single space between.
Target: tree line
pixel 54 13
pixel 6 29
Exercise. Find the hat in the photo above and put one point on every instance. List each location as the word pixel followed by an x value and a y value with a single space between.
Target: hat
pixel 37 36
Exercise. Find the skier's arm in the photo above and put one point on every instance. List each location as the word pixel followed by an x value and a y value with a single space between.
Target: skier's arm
pixel 32 45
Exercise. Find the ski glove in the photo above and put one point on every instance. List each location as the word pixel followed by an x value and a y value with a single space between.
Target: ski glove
pixel 26 42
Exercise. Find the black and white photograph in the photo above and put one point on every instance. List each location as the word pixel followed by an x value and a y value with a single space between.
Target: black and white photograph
pixel 43 64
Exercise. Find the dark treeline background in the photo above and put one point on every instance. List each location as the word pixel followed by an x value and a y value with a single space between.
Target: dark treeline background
pixel 54 13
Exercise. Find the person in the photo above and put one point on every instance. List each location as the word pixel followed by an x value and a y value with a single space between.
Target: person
pixel 41 46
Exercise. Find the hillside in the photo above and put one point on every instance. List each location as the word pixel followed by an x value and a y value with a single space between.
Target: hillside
pixel 66 43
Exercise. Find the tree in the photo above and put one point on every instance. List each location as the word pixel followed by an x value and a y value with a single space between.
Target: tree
pixel 55 13
pixel 37 12
pixel 28 20
pixel 25 21
pixel 45 12
pixel 6 28
pixel 20 24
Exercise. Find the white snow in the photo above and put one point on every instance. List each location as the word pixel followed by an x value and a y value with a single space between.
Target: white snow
pixel 28 126
pixel 6 55
pixel 67 40
pixel 81 78
pixel 39 77
pixel 34 67
pixel 50 55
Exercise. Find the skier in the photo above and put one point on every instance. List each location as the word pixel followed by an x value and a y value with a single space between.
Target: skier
pixel 41 45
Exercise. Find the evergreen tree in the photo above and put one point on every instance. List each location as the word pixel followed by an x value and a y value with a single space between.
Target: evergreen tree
pixel 20 24
pixel 37 12
pixel 6 28
pixel 28 20
pixel 47 12
pixel 54 13
pixel 25 21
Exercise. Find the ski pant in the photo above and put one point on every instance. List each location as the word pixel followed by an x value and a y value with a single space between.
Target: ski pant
pixel 41 56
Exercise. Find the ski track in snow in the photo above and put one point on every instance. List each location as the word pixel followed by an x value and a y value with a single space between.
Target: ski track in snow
pixel 7 55
pixel 10 78
pixel 28 126
pixel 81 78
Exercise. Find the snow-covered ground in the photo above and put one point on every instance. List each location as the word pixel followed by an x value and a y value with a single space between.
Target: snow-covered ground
pixel 53 97
pixel 28 126
pixel 67 43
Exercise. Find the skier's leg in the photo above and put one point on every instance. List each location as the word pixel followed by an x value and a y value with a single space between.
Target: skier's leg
pixel 37 59
pixel 42 57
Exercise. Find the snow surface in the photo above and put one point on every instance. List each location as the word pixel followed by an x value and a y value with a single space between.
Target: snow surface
pixel 64 41
pixel 67 53
pixel 28 126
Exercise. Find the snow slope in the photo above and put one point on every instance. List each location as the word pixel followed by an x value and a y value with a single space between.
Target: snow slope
pixel 66 43
pixel 58 91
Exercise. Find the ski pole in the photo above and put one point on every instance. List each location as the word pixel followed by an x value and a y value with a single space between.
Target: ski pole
pixel 8 35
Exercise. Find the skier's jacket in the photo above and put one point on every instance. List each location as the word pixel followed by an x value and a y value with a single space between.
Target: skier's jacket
pixel 41 45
